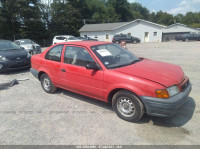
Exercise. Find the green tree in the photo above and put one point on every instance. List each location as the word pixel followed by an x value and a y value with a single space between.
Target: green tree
pixel 178 18
pixel 139 11
pixel 122 8
pixel 164 18
pixel 10 19
pixel 66 19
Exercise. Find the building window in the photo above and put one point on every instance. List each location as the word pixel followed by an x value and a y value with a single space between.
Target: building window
pixel 129 34
pixel 154 33
pixel 85 35
pixel 107 37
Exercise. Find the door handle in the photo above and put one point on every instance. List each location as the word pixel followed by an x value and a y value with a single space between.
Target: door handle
pixel 63 70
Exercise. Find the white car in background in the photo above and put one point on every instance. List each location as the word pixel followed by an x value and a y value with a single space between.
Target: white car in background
pixel 29 45
pixel 64 38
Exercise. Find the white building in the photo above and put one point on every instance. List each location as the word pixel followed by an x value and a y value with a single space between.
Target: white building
pixel 144 30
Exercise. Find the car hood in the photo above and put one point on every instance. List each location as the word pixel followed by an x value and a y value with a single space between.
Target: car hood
pixel 13 54
pixel 27 46
pixel 160 72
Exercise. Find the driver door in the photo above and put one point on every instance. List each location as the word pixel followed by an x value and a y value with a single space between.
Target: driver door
pixel 75 75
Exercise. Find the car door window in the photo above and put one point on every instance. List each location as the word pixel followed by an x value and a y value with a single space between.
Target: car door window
pixel 77 56
pixel 54 53
pixel 17 42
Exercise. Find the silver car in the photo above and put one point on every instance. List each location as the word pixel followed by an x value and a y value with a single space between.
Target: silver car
pixel 29 45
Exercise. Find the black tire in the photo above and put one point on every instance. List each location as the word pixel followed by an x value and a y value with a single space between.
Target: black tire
pixel 187 40
pixel 47 84
pixel 125 98
pixel 134 41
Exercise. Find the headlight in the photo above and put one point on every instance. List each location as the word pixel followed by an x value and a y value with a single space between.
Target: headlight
pixel 173 90
pixel 28 55
pixel 169 92
pixel 2 58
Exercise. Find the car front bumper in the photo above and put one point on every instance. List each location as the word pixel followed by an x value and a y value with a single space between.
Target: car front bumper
pixel 10 65
pixel 165 107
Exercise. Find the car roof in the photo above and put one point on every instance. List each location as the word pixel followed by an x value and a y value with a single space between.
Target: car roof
pixel 64 36
pixel 86 43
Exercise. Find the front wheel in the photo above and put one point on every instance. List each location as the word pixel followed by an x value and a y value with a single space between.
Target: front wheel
pixel 47 84
pixel 186 39
pixel 127 106
pixel 134 41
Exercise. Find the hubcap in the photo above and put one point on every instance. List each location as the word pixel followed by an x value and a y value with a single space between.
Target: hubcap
pixel 46 83
pixel 126 107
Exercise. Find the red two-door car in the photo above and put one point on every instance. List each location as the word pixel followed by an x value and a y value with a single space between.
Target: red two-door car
pixel 107 72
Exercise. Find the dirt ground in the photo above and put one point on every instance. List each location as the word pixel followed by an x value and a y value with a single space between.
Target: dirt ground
pixel 29 116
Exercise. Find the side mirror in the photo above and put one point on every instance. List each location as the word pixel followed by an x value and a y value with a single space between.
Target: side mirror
pixel 93 66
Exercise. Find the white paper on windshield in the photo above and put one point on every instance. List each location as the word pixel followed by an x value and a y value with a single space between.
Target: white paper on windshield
pixel 104 52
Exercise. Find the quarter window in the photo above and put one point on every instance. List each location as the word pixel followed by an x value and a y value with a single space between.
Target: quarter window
pixel 77 56
pixel 60 38
pixel 54 53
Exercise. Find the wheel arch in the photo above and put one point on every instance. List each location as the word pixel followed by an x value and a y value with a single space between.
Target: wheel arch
pixel 40 74
pixel 114 91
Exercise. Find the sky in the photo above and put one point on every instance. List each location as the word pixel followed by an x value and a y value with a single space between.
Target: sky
pixel 171 6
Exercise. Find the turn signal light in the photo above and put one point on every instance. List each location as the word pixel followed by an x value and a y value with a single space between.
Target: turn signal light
pixel 162 93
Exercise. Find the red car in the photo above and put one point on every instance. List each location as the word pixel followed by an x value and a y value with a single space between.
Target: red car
pixel 107 72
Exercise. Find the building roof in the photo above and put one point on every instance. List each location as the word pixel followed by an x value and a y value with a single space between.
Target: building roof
pixel 101 27
pixel 112 26
pixel 175 28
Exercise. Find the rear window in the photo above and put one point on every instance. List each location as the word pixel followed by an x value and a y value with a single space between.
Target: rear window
pixel 60 38
pixel 72 38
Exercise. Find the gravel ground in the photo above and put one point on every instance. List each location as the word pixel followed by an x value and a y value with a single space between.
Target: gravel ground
pixel 29 116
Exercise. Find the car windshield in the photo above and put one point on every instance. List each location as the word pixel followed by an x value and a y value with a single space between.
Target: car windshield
pixel 114 56
pixel 72 38
pixel 25 41
pixel 8 45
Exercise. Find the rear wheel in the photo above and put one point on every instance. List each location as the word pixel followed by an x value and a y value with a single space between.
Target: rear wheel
pixel 134 41
pixel 47 84
pixel 186 39
pixel 127 106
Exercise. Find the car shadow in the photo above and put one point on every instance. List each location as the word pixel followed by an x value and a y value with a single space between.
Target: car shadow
pixel 183 115
pixel 16 71
pixel 90 100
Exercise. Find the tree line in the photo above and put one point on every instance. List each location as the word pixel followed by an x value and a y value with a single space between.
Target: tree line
pixel 40 20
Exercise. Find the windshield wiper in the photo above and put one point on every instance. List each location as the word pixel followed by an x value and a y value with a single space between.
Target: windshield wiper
pixel 133 62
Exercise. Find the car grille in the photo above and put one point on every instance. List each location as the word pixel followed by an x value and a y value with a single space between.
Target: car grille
pixel 18 64
pixel 185 85
pixel 18 58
